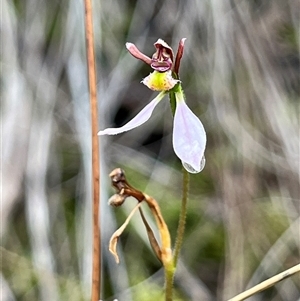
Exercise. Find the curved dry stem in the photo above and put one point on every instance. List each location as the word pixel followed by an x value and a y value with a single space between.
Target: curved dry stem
pixel 267 283
pixel 114 238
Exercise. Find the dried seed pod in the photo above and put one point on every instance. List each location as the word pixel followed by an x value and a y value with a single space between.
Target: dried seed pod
pixel 117 200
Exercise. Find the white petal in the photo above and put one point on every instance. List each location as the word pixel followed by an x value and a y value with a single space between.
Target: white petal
pixel 190 169
pixel 139 119
pixel 189 137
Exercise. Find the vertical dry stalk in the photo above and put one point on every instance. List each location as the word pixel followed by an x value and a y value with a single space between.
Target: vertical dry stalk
pixel 96 273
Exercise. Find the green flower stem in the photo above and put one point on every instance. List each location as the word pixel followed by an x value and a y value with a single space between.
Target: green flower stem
pixel 169 276
pixel 170 267
pixel 185 187
pixel 182 218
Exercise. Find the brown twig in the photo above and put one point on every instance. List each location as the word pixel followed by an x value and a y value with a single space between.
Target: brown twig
pixel 96 274
pixel 266 284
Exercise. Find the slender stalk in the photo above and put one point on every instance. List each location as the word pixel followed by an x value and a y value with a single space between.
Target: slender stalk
pixel 182 218
pixel 170 267
pixel 89 33
pixel 267 283
pixel 169 277
pixel 170 270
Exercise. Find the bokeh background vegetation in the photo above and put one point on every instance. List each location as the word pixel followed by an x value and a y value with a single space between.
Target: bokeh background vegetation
pixel 240 72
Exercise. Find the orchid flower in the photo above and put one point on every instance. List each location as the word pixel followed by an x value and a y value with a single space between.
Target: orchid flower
pixel 189 137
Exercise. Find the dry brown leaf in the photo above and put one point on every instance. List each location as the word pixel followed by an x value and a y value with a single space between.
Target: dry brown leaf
pixel 154 244
pixel 114 239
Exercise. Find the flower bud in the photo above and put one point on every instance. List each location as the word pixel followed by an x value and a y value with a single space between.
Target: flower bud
pixel 117 200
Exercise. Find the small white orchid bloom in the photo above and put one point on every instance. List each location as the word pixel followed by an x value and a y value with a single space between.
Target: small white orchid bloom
pixel 189 137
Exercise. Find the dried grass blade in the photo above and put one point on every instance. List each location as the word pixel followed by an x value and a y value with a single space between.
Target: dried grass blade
pixel 114 239
pixel 154 244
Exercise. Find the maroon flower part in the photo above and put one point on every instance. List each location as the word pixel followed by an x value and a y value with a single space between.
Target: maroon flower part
pixel 134 51
pixel 179 56
pixel 162 59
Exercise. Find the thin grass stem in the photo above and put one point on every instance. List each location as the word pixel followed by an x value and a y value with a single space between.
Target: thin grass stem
pixel 267 283
pixel 92 78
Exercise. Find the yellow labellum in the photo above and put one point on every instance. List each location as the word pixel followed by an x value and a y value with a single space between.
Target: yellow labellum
pixel 160 81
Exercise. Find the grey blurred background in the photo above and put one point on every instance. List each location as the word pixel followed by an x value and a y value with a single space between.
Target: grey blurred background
pixel 240 72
